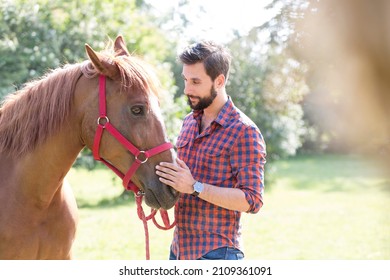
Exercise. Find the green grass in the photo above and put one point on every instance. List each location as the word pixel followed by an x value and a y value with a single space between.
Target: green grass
pixel 319 207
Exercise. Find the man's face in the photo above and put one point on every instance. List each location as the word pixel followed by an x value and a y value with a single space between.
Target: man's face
pixel 198 86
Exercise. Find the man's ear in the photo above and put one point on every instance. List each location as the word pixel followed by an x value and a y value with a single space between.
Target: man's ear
pixel 220 81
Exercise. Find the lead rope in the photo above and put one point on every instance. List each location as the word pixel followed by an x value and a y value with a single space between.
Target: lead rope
pixel 141 215
pixel 145 219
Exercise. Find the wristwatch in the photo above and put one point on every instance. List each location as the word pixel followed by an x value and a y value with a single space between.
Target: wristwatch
pixel 198 188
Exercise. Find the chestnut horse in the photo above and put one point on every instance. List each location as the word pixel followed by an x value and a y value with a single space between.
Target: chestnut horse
pixel 45 125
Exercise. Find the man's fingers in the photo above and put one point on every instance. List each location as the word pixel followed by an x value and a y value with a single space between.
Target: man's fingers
pixel 164 170
pixel 165 175
pixel 166 182
pixel 181 163
pixel 168 165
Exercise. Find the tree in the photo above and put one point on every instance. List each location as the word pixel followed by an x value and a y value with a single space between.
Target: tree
pixel 267 84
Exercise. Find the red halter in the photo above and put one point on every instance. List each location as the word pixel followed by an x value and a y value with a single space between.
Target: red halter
pixel 103 122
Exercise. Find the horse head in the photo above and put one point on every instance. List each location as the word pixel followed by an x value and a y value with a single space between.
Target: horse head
pixel 133 112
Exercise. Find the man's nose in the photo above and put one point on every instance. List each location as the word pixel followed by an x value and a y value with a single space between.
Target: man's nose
pixel 187 90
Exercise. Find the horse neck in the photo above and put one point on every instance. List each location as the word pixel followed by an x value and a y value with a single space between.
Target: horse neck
pixel 43 170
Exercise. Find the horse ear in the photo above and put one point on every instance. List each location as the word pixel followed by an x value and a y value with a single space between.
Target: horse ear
pixel 120 46
pixel 104 66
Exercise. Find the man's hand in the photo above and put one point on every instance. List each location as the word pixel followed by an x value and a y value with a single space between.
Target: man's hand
pixel 178 176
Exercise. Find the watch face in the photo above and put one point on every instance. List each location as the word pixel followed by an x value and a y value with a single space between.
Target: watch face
pixel 198 187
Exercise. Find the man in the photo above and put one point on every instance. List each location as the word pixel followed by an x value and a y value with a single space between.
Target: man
pixel 220 165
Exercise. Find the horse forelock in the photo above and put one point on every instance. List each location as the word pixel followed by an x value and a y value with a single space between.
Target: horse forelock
pixel 33 113
pixel 137 73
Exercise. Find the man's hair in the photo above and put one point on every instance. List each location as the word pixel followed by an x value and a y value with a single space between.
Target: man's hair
pixel 216 58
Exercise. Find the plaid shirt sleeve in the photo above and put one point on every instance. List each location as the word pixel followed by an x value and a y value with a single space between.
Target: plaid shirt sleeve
pixel 248 158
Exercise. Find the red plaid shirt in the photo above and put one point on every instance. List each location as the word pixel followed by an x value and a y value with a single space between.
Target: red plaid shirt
pixel 230 153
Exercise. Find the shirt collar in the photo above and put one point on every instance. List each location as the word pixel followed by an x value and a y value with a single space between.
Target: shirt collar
pixel 223 115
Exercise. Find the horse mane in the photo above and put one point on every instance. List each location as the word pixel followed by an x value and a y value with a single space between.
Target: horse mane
pixel 35 112
pixel 31 114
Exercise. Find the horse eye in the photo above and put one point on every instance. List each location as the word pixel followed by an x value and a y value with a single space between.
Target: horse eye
pixel 137 110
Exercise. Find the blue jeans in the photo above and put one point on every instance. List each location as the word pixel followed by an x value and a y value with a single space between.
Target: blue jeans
pixel 223 253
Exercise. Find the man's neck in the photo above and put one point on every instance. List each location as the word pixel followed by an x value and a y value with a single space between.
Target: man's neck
pixel 211 112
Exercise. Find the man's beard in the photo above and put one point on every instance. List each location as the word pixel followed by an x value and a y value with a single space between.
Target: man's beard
pixel 203 102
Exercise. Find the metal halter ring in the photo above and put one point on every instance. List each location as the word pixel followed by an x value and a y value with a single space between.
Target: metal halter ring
pixel 142 161
pixel 106 120
pixel 140 193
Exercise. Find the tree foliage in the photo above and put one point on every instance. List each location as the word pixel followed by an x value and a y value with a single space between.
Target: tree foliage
pixel 267 84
